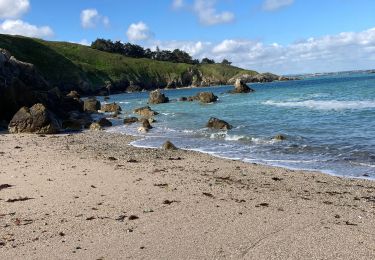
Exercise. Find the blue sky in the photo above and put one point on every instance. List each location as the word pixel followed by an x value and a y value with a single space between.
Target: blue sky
pixel 282 36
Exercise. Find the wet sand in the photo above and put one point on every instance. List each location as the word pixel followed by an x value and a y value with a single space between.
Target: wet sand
pixel 93 196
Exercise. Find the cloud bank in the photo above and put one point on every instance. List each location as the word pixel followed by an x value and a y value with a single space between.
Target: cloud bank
pixel 343 51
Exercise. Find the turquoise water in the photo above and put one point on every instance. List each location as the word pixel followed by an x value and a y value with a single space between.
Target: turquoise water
pixel 329 123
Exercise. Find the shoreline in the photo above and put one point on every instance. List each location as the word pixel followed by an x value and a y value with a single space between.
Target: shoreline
pixel 93 195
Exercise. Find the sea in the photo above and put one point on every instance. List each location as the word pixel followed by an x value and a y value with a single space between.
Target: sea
pixel 328 122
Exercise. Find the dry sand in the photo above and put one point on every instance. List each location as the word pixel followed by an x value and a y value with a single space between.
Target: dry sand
pixel 93 196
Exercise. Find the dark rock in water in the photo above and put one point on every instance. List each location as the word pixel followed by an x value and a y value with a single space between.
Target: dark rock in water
pixel 38 119
pixel 146 112
pixel 113 107
pixel 241 87
pixel 130 120
pixel 218 124
pixel 145 123
pixel 183 99
pixel 206 97
pixel 73 94
pixel 156 97
pixel 104 122
pixel 95 127
pixel 280 137
pixel 169 146
pixel 91 105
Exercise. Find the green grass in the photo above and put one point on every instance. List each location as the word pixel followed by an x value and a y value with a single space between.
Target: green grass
pixel 68 65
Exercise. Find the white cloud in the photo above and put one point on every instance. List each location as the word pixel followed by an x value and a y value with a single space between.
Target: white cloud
pixel 13 8
pixel 273 5
pixel 90 18
pixel 139 32
pixel 206 11
pixel 343 51
pixel 177 4
pixel 84 42
pixel 19 27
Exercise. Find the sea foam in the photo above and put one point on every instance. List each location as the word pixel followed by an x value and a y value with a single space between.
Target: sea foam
pixel 324 104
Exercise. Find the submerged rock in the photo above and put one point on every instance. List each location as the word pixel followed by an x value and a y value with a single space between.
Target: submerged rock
pixel 206 97
pixel 156 97
pixel 145 112
pixel 37 119
pixel 130 120
pixel 113 107
pixel 169 146
pixel 91 105
pixel 279 137
pixel 216 123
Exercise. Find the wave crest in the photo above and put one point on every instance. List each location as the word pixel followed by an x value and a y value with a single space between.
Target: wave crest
pixel 323 104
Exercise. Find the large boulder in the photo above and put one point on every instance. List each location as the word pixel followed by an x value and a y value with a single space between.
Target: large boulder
pixel 37 119
pixel 77 121
pixel 91 105
pixel 241 87
pixel 206 97
pixel 216 123
pixel 73 94
pixel 156 97
pixel 145 112
pixel 113 107
pixel 20 85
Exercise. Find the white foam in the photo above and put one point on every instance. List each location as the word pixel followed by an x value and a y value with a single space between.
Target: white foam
pixel 324 104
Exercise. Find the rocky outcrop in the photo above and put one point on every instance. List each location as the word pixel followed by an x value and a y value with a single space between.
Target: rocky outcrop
pixel 241 87
pixel 145 112
pixel 258 78
pixel 37 119
pixel 73 94
pixel 130 120
pixel 216 123
pixel 77 121
pixel 113 107
pixel 156 97
pixel 206 97
pixel 168 145
pixel 91 105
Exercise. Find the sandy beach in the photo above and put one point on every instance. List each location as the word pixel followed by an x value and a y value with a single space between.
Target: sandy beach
pixel 93 196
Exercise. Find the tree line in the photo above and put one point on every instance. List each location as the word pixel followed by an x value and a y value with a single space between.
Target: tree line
pixel 137 51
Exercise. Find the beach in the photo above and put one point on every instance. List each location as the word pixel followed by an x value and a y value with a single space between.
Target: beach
pixel 92 195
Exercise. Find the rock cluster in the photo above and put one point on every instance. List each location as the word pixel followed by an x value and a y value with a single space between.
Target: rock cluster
pixel 37 119
pixel 241 87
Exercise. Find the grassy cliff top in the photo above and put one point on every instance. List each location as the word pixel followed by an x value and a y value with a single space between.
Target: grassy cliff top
pixel 66 64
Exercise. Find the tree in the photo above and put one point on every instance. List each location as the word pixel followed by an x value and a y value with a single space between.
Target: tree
pixel 226 62
pixel 207 61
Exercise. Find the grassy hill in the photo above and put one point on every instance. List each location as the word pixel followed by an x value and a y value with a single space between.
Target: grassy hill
pixel 74 66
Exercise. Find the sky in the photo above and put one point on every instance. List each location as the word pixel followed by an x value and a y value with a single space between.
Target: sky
pixel 279 36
